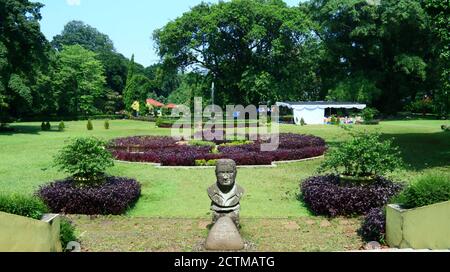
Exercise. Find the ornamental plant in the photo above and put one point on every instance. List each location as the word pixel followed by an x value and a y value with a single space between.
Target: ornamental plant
pixel 365 155
pixel 426 190
pixel 86 159
pixel 369 114
pixel 106 125
pixel 61 126
pixel 89 125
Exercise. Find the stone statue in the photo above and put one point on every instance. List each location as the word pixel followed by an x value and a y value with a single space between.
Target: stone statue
pixel 226 194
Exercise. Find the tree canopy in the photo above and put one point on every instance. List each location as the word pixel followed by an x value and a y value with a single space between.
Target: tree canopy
pixel 254 51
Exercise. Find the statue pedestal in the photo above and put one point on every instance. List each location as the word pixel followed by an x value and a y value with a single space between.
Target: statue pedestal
pixel 224 236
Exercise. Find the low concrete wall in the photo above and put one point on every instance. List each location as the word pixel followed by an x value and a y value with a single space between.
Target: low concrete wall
pixel 22 234
pixel 421 228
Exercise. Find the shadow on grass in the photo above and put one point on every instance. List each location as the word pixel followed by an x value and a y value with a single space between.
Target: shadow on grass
pixel 36 130
pixel 423 150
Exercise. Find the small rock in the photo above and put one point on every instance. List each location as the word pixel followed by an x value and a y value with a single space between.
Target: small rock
pixel 373 246
pixel 224 236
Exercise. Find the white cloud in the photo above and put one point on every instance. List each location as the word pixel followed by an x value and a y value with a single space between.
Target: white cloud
pixel 73 2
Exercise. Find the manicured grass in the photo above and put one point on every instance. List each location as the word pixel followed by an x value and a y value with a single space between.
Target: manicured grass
pixel 26 163
pixel 118 234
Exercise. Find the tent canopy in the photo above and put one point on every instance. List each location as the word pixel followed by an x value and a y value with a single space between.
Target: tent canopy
pixel 321 105
pixel 314 112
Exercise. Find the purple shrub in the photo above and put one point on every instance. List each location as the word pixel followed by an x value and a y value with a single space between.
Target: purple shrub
pixel 168 152
pixel 113 197
pixel 373 227
pixel 325 195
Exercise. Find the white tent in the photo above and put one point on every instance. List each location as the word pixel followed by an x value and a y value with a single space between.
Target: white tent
pixel 313 113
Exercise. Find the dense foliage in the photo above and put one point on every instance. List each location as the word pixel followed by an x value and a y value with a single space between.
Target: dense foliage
pixel 169 152
pixel 426 190
pixel 86 159
pixel 254 51
pixel 390 54
pixel 373 227
pixel 327 195
pixel 67 233
pixel 21 205
pixel 113 197
pixel 364 155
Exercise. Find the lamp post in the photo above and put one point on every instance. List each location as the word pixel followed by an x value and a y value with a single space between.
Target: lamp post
pixel 212 94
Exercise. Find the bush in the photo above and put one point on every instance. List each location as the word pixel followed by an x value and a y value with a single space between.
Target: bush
pixel 327 195
pixel 113 197
pixel 201 143
pixel 365 155
pixel 166 122
pixel 302 122
pixel 445 128
pixel 426 190
pixel 86 159
pixel 287 119
pixel 89 125
pixel 61 126
pixel 373 227
pixel 67 233
pixel 369 114
pixel 46 126
pixel 27 206
pixel 106 125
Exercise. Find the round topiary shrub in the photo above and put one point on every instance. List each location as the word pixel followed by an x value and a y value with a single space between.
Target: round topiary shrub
pixel 373 227
pixel 327 195
pixel 113 197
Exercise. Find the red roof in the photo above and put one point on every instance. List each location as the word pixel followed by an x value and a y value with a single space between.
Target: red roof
pixel 155 103
pixel 171 106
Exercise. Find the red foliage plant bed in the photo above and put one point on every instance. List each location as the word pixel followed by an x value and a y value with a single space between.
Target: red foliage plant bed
pixel 168 152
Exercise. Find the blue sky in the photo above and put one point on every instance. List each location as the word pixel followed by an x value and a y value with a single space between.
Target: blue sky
pixel 129 23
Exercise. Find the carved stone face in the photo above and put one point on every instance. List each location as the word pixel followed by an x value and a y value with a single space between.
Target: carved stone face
pixel 226 172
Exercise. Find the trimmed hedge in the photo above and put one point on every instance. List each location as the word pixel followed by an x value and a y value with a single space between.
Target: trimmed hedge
pixel 326 195
pixel 28 206
pixel 168 152
pixel 373 227
pixel 113 197
pixel 57 118
pixel 426 190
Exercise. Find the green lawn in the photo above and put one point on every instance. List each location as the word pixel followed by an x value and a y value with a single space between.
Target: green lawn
pixel 26 163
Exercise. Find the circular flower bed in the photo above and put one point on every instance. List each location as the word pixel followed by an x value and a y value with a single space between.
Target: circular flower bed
pixel 169 152
pixel 326 195
pixel 113 197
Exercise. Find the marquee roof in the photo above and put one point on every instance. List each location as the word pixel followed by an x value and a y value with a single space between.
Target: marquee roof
pixel 321 105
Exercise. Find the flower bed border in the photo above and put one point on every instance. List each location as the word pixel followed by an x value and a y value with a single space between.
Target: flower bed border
pixel 274 164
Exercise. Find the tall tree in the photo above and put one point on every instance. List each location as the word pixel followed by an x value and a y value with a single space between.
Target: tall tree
pixel 243 45
pixel 376 51
pixel 79 81
pixel 115 64
pixel 79 33
pixel 439 12
pixel 23 50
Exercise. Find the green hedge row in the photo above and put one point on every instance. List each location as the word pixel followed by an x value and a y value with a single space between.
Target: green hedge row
pixel 71 118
